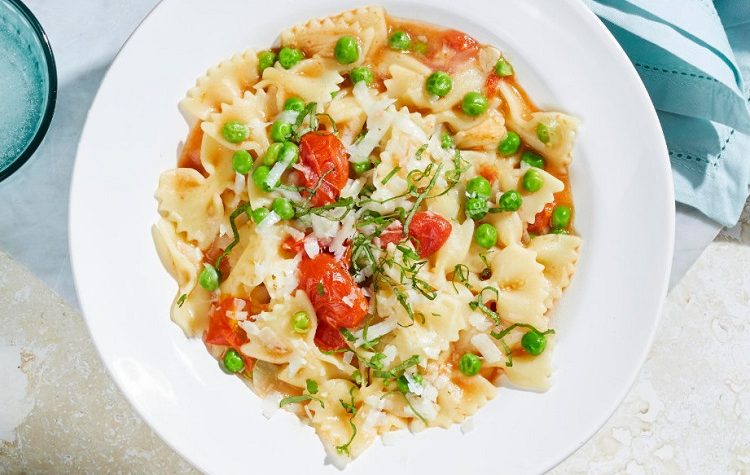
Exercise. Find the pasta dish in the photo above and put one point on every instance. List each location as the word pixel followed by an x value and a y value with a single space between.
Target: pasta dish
pixel 371 224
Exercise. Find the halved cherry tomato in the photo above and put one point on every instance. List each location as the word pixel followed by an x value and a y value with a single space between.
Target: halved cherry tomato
pixel 541 221
pixel 459 41
pixel 429 231
pixel 328 283
pixel 323 153
pixel 223 330
pixel 392 234
pixel 328 338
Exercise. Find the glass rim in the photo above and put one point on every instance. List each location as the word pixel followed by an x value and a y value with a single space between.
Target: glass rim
pixel 49 57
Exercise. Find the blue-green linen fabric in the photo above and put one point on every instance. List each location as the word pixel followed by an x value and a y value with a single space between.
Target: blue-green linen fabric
pixel 692 56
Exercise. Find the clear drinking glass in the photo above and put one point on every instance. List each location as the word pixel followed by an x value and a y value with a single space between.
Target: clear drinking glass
pixel 28 85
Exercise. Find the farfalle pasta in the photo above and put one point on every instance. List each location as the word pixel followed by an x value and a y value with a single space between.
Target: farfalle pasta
pixel 370 224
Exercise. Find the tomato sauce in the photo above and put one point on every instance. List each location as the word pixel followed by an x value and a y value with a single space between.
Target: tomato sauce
pixel 439 48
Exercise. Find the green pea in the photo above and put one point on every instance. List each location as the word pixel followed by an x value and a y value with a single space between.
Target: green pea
pixel 209 278
pixel 533 159
pixel 532 181
pixel 510 143
pixel 503 68
pixel 543 132
pixel 485 235
pixel 511 200
pixel 289 153
pixel 294 104
pixel 399 40
pixel 534 342
pixel 242 162
pixel 235 131
pixel 402 384
pixel 283 207
pixel 439 84
pixel 233 361
pixel 259 177
pixel 474 104
pixel 560 216
pixel 265 60
pixel 446 141
pixel 476 208
pixel 301 322
pixel 259 214
pixel 346 50
pixel 281 131
pixel 272 153
pixel 288 57
pixel 361 73
pixel 361 167
pixel 311 386
pixel 469 364
pixel 479 187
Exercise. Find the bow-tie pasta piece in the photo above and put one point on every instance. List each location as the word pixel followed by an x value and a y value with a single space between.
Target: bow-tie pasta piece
pixel 220 85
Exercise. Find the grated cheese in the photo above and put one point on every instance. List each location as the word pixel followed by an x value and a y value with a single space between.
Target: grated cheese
pixel 375 331
pixel 487 348
pixel 290 116
pixel 311 246
pixel 323 228
pixel 270 219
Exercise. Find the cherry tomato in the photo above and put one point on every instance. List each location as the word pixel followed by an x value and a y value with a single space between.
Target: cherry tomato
pixel 223 330
pixel 491 84
pixel 327 283
pixel 328 338
pixel 429 231
pixel 323 153
pixel 392 234
pixel 459 41
pixel 541 221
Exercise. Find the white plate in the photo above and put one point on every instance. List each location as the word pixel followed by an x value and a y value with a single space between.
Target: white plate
pixel 624 201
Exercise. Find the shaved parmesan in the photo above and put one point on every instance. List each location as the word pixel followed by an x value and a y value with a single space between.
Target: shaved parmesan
pixel 380 116
pixel 270 219
pixel 375 331
pixel 271 404
pixel 289 116
pixel 390 353
pixel 487 348
pixel 311 246
pixel 275 174
pixel 352 188
pixel 324 228
pixel 344 233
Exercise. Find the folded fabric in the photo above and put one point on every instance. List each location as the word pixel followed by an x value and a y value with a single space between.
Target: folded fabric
pixel 692 56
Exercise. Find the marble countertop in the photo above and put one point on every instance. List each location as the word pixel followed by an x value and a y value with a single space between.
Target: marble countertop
pixel 60 411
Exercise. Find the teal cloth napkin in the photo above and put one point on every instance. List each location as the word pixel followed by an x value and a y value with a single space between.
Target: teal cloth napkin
pixel 692 56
